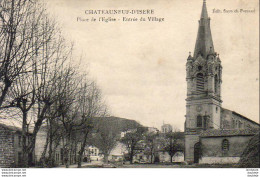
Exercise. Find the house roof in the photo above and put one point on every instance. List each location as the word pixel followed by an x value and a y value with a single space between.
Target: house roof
pixel 12 128
pixel 234 132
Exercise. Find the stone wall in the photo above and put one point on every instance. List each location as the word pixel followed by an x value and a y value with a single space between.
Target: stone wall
pixel 6 148
pixel 212 149
pixel 219 160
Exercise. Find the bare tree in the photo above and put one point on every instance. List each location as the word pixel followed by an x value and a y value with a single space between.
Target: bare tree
pixel 172 143
pixel 38 79
pixel 29 65
pixel 91 106
pixel 131 140
pixel 106 138
pixel 19 40
pixel 150 145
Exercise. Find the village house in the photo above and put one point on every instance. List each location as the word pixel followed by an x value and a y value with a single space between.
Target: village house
pixel 11 147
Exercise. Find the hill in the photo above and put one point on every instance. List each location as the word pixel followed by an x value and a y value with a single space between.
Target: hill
pixel 116 123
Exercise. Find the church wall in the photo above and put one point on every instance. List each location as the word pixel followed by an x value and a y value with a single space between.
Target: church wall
pixel 212 149
pixel 215 112
pixel 190 141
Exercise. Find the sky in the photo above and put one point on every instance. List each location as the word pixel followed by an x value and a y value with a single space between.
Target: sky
pixel 140 66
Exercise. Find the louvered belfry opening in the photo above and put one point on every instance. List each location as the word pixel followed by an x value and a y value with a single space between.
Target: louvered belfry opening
pixel 200 83
pixel 216 84
pixel 199 121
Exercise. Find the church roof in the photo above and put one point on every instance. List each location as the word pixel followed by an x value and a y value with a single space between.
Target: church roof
pixel 204 42
pixel 239 115
pixel 231 132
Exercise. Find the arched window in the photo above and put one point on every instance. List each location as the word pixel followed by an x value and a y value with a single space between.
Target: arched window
pixel 216 84
pixel 199 121
pixel 200 82
pixel 225 146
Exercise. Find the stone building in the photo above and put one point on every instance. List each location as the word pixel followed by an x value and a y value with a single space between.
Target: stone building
pixel 212 134
pixel 166 128
pixel 11 147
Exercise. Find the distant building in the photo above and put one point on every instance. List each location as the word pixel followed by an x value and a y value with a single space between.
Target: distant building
pixel 92 153
pixel 212 134
pixel 118 153
pixel 152 130
pixel 166 128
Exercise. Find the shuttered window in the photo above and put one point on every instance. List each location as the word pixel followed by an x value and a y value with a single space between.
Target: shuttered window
pixel 200 83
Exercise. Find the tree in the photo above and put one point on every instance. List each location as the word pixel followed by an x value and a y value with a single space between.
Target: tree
pixel 131 140
pixel 30 64
pixel 106 138
pixel 20 40
pixel 172 143
pixel 38 80
pixel 91 106
pixel 150 145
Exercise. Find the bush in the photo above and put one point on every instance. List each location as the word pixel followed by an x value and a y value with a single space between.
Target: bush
pixel 250 156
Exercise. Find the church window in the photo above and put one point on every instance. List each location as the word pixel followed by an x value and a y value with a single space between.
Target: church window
pixel 199 121
pixel 225 146
pixel 199 68
pixel 200 82
pixel 216 109
pixel 216 83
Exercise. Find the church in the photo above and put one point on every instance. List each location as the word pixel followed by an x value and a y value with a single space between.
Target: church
pixel 213 134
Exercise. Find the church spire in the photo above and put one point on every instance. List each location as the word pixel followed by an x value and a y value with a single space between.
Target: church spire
pixel 204 42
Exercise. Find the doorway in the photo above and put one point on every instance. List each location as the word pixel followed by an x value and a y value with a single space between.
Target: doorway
pixel 197 152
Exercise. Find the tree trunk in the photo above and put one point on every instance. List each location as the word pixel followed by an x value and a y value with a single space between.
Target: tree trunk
pixel 24 138
pixel 82 149
pixel 106 158
pixel 51 156
pixel 43 156
pixel 40 118
pixel 131 156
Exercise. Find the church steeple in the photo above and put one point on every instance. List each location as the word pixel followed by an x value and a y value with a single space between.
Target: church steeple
pixel 204 42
